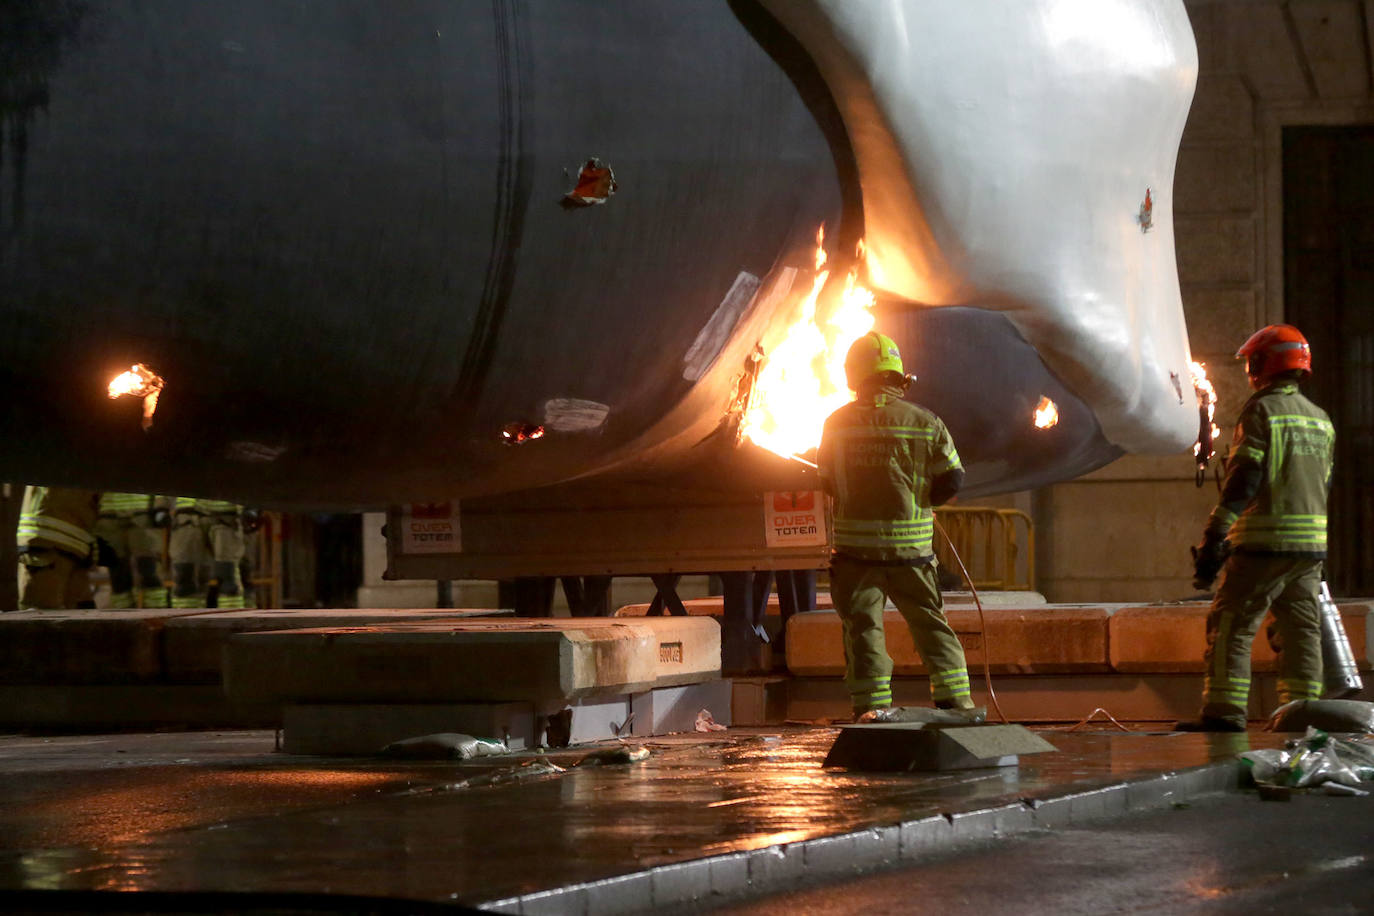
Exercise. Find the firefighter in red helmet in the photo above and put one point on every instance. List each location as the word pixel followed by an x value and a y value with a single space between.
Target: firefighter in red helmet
pixel 1267 535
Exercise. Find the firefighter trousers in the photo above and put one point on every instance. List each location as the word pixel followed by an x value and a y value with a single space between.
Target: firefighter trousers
pixel 136 578
pixel 205 547
pixel 52 579
pixel 1251 585
pixel 860 590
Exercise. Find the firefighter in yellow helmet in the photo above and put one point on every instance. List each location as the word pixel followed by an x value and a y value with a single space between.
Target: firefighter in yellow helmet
pixel 886 462
pixel 56 547
pixel 206 542
pixel 131 523
pixel 1267 535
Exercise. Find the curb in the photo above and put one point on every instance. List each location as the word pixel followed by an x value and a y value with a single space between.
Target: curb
pixel 770 869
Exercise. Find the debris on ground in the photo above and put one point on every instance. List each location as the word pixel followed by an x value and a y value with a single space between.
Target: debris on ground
pixel 610 756
pixel 444 746
pixel 707 722
pixel 1316 759
pixel 523 772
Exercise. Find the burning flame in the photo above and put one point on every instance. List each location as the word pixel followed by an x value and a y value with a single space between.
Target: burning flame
pixel 1046 414
pixel 141 382
pixel 802 381
pixel 1205 391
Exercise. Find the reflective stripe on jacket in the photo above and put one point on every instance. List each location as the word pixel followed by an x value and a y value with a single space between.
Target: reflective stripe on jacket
pixel 126 503
pixel 58 517
pixel 1290 441
pixel 207 506
pixel 877 458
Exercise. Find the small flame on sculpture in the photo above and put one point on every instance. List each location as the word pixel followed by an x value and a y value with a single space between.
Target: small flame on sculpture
pixel 140 382
pixel 518 433
pixel 1207 394
pixel 1046 414
pixel 802 380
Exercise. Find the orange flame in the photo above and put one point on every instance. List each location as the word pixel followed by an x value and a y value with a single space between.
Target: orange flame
pixel 802 380
pixel 1046 414
pixel 141 382
pixel 1203 386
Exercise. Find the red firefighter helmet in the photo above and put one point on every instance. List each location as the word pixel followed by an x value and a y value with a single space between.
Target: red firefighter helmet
pixel 1274 350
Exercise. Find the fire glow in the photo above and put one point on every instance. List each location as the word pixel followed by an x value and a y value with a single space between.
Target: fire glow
pixel 1208 395
pixel 1046 414
pixel 802 380
pixel 140 382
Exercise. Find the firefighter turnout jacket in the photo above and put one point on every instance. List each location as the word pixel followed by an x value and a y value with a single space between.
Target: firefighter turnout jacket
pixel 879 458
pixel 1278 475
pixel 59 518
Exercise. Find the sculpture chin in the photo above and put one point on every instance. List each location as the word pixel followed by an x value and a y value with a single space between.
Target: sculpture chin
pixel 1005 153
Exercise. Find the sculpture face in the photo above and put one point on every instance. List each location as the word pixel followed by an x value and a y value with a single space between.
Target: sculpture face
pixel 1019 157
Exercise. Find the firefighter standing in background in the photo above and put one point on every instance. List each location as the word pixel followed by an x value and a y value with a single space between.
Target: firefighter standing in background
pixel 132 524
pixel 886 462
pixel 206 533
pixel 1267 535
pixel 56 547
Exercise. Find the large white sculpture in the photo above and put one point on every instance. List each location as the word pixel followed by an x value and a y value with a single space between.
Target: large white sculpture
pixel 1007 151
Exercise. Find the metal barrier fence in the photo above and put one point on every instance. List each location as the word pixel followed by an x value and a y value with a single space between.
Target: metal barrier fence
pixel 996 545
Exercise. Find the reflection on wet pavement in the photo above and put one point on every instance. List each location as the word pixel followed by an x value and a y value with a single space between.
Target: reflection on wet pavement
pixel 223 812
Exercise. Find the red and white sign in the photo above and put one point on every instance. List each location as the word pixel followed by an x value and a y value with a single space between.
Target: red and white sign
pixel 794 518
pixel 431 528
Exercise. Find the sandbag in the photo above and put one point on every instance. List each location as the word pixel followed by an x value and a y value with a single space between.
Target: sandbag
pixel 1344 716
pixel 443 746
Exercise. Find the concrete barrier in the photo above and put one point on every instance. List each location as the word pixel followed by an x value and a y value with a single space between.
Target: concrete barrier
pixel 1172 638
pixel 196 644
pixel 1036 640
pixel 547 661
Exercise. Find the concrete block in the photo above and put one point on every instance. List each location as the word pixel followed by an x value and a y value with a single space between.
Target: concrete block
pixel 1035 640
pixel 1223 108
pixel 545 661
pixel 830 856
pixel 729 874
pixel 1108 801
pixel 559 901
pixel 925 836
pixel 680 883
pixel 590 719
pixel 1173 638
pixel 1159 639
pixel 714 606
pixel 1215 249
pixel 84 647
pixel 774 867
pixel 665 710
pixel 195 645
pixel 1216 177
pixel 348 729
pixel 632 893
pixel 988 823
pixel 1213 315
pixel 902 747
pixel 1355 615
pixel 878 847
pixel 757 700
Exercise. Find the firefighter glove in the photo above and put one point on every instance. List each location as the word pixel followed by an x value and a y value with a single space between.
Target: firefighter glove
pixel 1208 558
